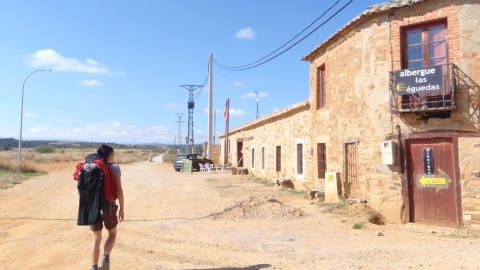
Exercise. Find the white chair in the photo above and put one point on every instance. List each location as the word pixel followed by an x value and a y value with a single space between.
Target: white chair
pixel 203 168
pixel 211 168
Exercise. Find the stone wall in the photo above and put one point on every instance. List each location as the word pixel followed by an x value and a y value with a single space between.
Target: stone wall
pixel 356 118
pixel 284 128
pixel 357 64
pixel 469 161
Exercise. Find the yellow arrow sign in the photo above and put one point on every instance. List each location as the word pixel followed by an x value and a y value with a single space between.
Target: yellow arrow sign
pixel 425 180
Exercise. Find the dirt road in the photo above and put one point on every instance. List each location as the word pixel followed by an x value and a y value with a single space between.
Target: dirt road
pixel 212 221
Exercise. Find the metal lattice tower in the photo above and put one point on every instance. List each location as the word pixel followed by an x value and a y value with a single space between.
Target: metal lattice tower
pixel 179 127
pixel 191 105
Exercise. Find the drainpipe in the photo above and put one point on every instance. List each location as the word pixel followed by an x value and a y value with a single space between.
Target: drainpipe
pixel 406 203
pixel 399 134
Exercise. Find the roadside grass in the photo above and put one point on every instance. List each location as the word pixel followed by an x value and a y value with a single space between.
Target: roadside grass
pixel 331 207
pixel 262 181
pixel 13 171
pixel 9 179
pixel 295 192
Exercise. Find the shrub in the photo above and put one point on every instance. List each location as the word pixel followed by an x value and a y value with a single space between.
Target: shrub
pixel 359 225
pixel 44 149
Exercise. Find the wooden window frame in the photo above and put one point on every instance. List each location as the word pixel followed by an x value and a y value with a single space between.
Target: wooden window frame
pixel 321 94
pixel 350 157
pixel 299 151
pixel 263 157
pixel 425 42
pixel 278 158
pixel 253 157
pixel 321 159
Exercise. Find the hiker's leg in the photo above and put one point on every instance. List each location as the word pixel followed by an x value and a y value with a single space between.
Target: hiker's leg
pixel 95 251
pixel 111 221
pixel 110 242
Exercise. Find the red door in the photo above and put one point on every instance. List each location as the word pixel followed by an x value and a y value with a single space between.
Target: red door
pixel 432 183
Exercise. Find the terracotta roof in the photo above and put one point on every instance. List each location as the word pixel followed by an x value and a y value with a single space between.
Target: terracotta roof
pixel 370 11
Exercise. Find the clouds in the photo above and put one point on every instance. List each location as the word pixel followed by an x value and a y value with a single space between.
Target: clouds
pixel 49 58
pixel 90 83
pixel 30 115
pixel 245 33
pixel 232 112
pixel 237 83
pixel 236 112
pixel 104 132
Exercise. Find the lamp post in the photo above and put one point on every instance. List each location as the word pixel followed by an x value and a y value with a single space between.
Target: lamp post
pixel 256 92
pixel 21 113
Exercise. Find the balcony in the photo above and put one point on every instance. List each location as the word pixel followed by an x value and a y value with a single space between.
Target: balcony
pixel 428 89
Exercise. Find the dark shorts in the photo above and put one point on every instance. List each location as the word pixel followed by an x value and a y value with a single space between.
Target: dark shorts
pixel 109 217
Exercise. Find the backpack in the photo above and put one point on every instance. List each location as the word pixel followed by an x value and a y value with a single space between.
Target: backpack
pixel 90 190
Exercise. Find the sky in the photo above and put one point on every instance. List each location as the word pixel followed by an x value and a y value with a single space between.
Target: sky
pixel 121 69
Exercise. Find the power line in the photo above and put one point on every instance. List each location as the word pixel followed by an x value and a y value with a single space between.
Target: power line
pixel 201 88
pixel 305 29
pixel 254 64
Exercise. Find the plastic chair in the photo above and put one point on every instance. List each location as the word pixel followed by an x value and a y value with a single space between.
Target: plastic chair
pixel 203 168
pixel 211 168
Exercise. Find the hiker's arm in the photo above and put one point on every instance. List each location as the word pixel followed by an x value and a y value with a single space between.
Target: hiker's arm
pixel 120 197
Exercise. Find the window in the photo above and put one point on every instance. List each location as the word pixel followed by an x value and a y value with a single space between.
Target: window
pixel 299 158
pixel 425 45
pixel 321 160
pixel 351 165
pixel 253 157
pixel 321 87
pixel 263 157
pixel 278 158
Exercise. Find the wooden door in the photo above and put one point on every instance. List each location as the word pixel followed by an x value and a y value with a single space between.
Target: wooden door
pixel 239 154
pixel 432 183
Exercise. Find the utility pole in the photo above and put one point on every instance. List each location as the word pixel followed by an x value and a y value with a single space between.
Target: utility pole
pixel 210 109
pixel 214 124
pixel 191 105
pixel 179 127
pixel 256 92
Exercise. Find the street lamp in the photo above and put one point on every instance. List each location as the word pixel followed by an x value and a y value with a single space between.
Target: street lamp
pixel 257 102
pixel 21 113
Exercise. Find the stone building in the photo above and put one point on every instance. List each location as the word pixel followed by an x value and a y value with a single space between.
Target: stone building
pixel 393 111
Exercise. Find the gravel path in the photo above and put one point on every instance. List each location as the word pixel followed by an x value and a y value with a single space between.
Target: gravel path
pixel 213 221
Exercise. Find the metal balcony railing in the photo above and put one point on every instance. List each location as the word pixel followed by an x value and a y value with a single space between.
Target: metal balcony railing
pixel 426 89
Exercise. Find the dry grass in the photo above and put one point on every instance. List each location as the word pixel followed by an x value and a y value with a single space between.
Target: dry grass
pixel 9 159
pixel 14 172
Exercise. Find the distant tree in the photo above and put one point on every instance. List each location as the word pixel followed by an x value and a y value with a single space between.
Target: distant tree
pixel 44 149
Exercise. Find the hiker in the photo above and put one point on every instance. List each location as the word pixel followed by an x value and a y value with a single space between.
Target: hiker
pixel 105 204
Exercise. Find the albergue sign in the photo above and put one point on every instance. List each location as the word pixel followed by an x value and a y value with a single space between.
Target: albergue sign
pixel 419 80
